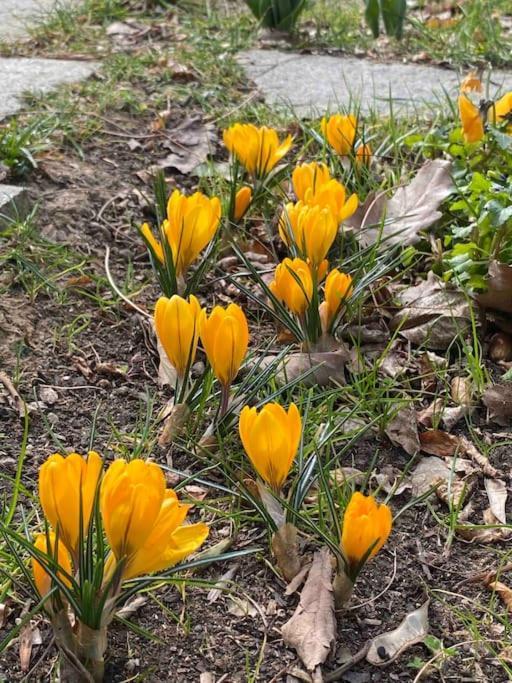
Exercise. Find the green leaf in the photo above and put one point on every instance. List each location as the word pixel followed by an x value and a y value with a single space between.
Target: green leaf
pixel 372 16
pixel 393 14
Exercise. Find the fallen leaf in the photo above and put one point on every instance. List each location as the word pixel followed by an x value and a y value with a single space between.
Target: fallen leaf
pixel 132 607
pixel 455 491
pixel 174 423
pixel 387 647
pixel 241 607
pixel 498 400
pixel 271 503
pixel 499 288
pixel 500 347
pixel 4 613
pixel 431 314
pixel 478 458
pixel 30 635
pixel 427 473
pixel 503 591
pixel 319 368
pixel 402 431
pixel 461 391
pixel 190 143
pixel 298 580
pixel 412 209
pixel 166 372
pixel 439 443
pixel 496 490
pixel 224 581
pixel 286 551
pixel 311 631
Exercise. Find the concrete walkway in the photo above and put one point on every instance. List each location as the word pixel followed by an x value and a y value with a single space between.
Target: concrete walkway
pixel 310 85
pixel 16 14
pixel 20 75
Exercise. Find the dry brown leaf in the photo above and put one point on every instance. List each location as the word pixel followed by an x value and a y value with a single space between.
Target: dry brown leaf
pixel 174 423
pixel 30 635
pixel 499 288
pixel 431 314
pixel 224 581
pixel 190 144
pixel 271 503
pixel 387 647
pixel 412 209
pixel 311 631
pixel 472 533
pixel 497 493
pixel 298 580
pixel 503 591
pixel 461 391
pixel 498 400
pixel 478 458
pixel 427 473
pixel 325 368
pixel 455 492
pixel 500 347
pixel 402 431
pixel 132 607
pixel 439 443
pixel 286 551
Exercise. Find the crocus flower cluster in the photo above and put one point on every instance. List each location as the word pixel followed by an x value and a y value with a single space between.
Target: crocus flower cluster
pixel 224 335
pixel 142 519
pixel 474 117
pixel 309 228
pixel 190 225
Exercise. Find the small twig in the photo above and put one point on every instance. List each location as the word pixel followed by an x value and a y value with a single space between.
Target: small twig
pixel 18 401
pixel 117 290
pixel 338 673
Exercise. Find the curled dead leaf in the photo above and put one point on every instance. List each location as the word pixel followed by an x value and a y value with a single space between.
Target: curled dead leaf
pixel 387 647
pixel 503 591
pixel 412 209
pixel 174 423
pixel 497 493
pixel 499 287
pixel 285 547
pixel 320 368
pixel 402 431
pixel 498 400
pixel 311 631
pixel 500 347
pixel 431 314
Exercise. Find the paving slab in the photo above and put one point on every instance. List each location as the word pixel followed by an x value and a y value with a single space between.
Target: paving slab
pixel 14 203
pixel 15 15
pixel 19 76
pixel 310 85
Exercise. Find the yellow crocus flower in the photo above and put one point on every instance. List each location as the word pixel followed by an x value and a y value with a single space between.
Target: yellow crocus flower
pixel 177 327
pixel 242 201
pixel 338 287
pixel 365 525
pixel 64 483
pixel 340 132
pixel 152 240
pixel 46 545
pixel 312 229
pixel 501 111
pixel 258 149
pixel 333 195
pixel 472 124
pixel 471 83
pixel 225 337
pixel 363 155
pixel 285 287
pixel 191 224
pixel 271 439
pixel 169 542
pixel 132 494
pixel 309 177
